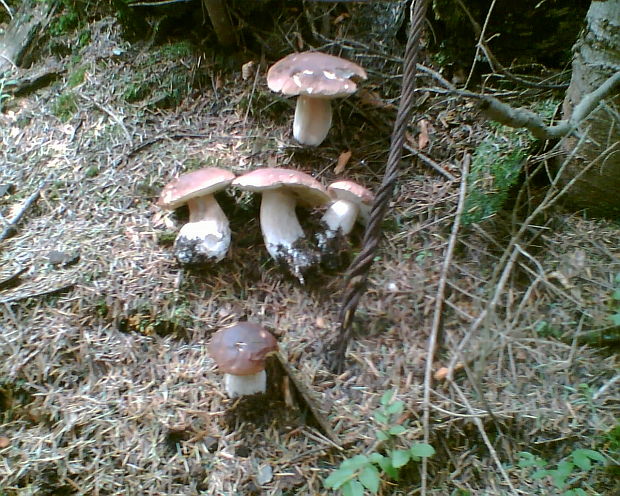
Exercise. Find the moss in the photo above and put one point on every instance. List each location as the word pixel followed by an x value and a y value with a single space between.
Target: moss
pixel 76 77
pixel 92 171
pixel 65 106
pixel 495 168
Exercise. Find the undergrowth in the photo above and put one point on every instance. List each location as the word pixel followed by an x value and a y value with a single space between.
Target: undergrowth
pixel 363 473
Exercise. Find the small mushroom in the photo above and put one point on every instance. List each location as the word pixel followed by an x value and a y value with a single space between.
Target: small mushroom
pixel 352 202
pixel 240 352
pixel 316 78
pixel 207 234
pixel 282 190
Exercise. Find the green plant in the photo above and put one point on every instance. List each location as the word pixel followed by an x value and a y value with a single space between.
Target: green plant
pixel 364 472
pixel 5 96
pixel 65 106
pixel 567 472
pixel 495 168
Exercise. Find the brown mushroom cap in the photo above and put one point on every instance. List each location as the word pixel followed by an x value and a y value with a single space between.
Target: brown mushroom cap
pixel 354 193
pixel 194 184
pixel 241 349
pixel 314 74
pixel 307 190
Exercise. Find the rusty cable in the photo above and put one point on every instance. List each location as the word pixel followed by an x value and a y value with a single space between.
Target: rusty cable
pixel 356 277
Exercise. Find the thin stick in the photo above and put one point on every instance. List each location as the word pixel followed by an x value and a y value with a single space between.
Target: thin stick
pixel 10 229
pixel 487 441
pixel 432 340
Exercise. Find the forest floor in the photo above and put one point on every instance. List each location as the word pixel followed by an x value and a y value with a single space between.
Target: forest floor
pixel 106 386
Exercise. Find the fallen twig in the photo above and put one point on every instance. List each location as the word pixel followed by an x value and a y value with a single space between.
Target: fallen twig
pixel 46 292
pixel 432 340
pixel 13 279
pixel 11 227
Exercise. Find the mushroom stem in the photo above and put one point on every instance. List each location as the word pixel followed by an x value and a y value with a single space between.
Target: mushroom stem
pixel 282 231
pixel 243 385
pixel 341 215
pixel 206 235
pixel 279 223
pixel 313 118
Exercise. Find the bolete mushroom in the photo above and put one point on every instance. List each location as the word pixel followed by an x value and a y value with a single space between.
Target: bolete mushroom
pixel 352 201
pixel 316 78
pixel 240 352
pixel 283 190
pixel 206 236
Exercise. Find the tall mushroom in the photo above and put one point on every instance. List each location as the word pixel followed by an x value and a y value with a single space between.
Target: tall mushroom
pixel 240 352
pixel 282 190
pixel 316 78
pixel 206 236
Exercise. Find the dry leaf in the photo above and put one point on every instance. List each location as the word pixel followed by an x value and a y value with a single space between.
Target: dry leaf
pixel 343 160
pixel 247 70
pixel 423 136
pixel 372 99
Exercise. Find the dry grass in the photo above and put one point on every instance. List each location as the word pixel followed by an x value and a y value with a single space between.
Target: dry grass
pixel 106 387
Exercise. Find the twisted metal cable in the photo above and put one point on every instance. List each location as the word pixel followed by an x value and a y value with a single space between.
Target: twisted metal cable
pixel 357 275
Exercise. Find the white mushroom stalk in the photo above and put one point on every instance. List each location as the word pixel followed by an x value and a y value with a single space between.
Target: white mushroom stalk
pixel 340 217
pixel 245 385
pixel 313 119
pixel 206 235
pixel 282 232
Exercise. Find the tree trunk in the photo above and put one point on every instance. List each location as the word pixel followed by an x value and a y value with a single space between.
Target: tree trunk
pixel 29 22
pixel 596 57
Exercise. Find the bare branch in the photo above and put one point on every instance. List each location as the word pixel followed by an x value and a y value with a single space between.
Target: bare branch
pixel 520 117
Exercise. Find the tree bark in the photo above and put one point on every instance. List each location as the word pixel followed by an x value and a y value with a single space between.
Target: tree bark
pixel 29 22
pixel 593 154
pixel 220 19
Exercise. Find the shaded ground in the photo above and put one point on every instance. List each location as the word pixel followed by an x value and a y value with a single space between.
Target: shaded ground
pixel 106 387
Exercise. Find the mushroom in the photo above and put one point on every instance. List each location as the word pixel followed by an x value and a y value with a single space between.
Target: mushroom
pixel 352 201
pixel 240 352
pixel 282 190
pixel 316 78
pixel 207 234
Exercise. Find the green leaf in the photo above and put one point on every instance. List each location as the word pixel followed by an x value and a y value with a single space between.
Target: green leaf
pixel 400 458
pixel 353 488
pixel 376 458
pixel 338 477
pixel 422 450
pixel 386 466
pixel 615 318
pixel 616 294
pixel 396 408
pixel 370 479
pixel 354 463
pixel 575 492
pixel 582 458
pixel 559 475
pixel 381 417
pixel 387 397
pixel 539 474
pixel 396 430
pixel 382 436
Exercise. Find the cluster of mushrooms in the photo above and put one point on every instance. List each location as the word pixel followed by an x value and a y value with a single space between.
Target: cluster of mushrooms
pixel 315 78
pixel 207 236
